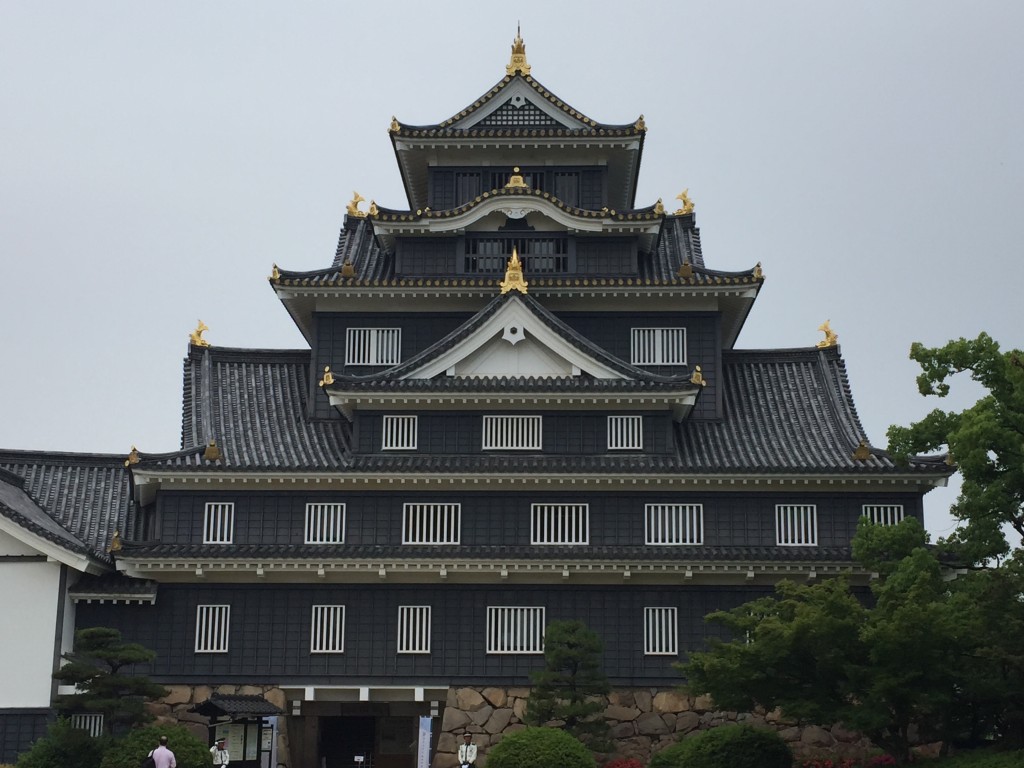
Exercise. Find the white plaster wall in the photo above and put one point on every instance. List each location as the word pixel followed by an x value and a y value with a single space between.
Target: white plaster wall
pixel 29 596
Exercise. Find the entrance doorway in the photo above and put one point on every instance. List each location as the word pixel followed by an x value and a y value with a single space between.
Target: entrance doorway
pixel 344 739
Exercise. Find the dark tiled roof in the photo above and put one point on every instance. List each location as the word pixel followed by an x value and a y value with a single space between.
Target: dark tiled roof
pixel 334 552
pixel 236 705
pixel 113 586
pixel 86 496
pixel 444 128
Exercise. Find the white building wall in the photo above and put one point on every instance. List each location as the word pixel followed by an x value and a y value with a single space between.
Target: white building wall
pixel 29 599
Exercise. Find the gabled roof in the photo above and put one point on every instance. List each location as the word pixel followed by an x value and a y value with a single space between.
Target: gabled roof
pixel 236 706
pixel 76 501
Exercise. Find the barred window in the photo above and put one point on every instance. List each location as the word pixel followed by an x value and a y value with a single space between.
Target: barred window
pixel 414 629
pixel 661 632
pixel 373 346
pixel 625 433
pixel 327 629
pixel 325 523
pixel 431 523
pixel 796 525
pixel 659 346
pixel 669 524
pixel 512 432
pixel 218 523
pixel 400 433
pixel 515 629
pixel 90 723
pixel 212 624
pixel 884 514
pixel 560 524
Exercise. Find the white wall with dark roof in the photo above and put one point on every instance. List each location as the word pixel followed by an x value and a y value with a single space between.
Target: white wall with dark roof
pixel 29 603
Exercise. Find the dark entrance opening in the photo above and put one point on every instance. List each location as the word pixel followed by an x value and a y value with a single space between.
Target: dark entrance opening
pixel 343 739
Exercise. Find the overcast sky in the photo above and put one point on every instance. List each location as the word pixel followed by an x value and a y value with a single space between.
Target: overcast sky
pixel 157 158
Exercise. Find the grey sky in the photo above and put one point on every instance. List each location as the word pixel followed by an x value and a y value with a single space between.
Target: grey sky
pixel 157 159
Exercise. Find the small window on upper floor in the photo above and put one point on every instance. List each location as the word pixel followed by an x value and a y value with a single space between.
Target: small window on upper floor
pixel 400 433
pixel 89 722
pixel 625 433
pixel 414 629
pixel 515 629
pixel 521 433
pixel 560 524
pixel 373 346
pixel 327 629
pixel 673 524
pixel 661 631
pixel 212 624
pixel 219 523
pixel 431 523
pixel 325 524
pixel 796 525
pixel 658 346
pixel 884 514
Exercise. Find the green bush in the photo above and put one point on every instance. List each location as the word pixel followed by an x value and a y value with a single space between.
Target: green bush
pixel 63 747
pixel 729 746
pixel 540 748
pixel 128 751
pixel 979 758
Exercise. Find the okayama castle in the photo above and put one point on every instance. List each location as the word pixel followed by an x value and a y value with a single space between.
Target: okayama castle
pixel 521 402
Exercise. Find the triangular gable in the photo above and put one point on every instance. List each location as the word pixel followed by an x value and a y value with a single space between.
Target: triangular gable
pixel 518 105
pixel 514 341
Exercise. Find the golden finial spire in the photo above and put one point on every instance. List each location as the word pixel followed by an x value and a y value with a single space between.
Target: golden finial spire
pixel 196 337
pixel 517 64
pixel 684 198
pixel 831 338
pixel 352 209
pixel 514 275
pixel 516 180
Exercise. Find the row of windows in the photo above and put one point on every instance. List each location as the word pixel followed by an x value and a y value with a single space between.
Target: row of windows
pixel 382 346
pixel 509 629
pixel 441 523
pixel 522 433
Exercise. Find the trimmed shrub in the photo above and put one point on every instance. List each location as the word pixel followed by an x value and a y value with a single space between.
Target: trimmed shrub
pixel 539 748
pixel 734 746
pixel 64 746
pixel 128 751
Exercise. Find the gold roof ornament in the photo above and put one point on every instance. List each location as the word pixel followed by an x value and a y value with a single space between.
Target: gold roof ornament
pixel 347 270
pixel 352 209
pixel 640 125
pixel 862 452
pixel 517 64
pixel 659 208
pixel 275 274
pixel 684 198
pixel 212 452
pixel 831 338
pixel 516 181
pixel 133 457
pixel 196 337
pixel 394 127
pixel 115 543
pixel 514 275
pixel 758 272
pixel 373 209
pixel 328 378
pixel 698 377
pixel 685 270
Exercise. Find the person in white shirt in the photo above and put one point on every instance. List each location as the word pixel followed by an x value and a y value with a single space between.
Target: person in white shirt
pixel 219 751
pixel 162 756
pixel 467 752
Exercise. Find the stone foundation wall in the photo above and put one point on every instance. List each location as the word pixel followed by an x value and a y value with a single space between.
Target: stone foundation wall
pixel 642 722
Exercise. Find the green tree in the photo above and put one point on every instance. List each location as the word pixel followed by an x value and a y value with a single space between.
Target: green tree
pixel 569 686
pixel 97 667
pixel 63 747
pixel 986 440
pixel 128 750
pixel 539 748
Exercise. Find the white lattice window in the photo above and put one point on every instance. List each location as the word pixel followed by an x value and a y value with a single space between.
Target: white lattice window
pixel 512 433
pixel 90 723
pixel 661 632
pixel 625 433
pixel 325 523
pixel 212 624
pixel 373 346
pixel 659 346
pixel 884 514
pixel 515 629
pixel 431 523
pixel 560 524
pixel 218 523
pixel 400 433
pixel 796 525
pixel 671 524
pixel 414 629
pixel 327 629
